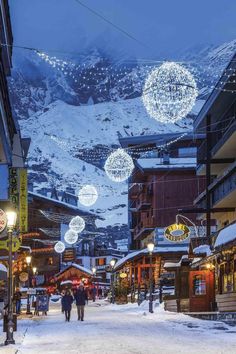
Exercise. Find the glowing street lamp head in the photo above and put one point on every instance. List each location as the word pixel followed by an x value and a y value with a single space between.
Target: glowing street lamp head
pixel 11 219
pixel 94 270
pixel 112 263
pixel 28 259
pixel 34 270
pixel 150 247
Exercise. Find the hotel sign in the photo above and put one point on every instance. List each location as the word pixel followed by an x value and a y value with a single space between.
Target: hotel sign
pixel 177 232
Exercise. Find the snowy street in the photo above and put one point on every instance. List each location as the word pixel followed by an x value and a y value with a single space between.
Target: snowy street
pixel 121 329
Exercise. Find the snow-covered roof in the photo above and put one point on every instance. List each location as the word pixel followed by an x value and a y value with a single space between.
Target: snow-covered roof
pixel 66 282
pixel 171 264
pixel 174 163
pixel 79 267
pixel 178 264
pixel 167 249
pixel 226 235
pixel 59 202
pixel 202 249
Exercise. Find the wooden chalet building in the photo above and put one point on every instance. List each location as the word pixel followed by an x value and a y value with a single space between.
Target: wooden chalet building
pixel 210 274
pixel 163 182
pixel 46 218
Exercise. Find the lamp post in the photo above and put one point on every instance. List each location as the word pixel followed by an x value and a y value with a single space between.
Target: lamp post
pixel 11 222
pixel 112 264
pixel 150 248
pixel 28 261
pixel 94 270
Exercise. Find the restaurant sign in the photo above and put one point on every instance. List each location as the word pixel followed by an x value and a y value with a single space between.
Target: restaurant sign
pixel 177 232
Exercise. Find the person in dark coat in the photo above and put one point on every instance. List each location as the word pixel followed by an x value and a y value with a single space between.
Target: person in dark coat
pixel 67 301
pixel 81 298
pixel 17 298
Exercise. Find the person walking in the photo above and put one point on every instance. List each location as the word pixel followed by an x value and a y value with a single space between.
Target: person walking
pixel 67 301
pixel 81 298
pixel 17 298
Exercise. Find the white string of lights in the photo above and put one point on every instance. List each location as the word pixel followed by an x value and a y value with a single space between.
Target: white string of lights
pixel 93 76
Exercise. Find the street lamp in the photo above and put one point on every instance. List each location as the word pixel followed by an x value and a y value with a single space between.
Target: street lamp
pixel 28 261
pixel 112 264
pixel 94 291
pixel 11 222
pixel 34 269
pixel 150 248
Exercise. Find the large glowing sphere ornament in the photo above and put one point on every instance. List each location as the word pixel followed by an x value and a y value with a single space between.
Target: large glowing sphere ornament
pixel 119 166
pixel 59 247
pixel 88 195
pixel 169 93
pixel 77 224
pixel 71 237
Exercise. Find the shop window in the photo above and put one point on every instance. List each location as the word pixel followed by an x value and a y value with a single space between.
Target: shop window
pixel 100 261
pixel 228 283
pixel 199 285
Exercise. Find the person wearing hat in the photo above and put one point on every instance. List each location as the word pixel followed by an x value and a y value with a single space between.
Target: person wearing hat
pixel 80 298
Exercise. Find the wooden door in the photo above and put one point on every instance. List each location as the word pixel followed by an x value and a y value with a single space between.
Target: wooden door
pixel 201 290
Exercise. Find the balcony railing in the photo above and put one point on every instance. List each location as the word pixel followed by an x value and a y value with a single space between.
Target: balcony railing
pixel 224 186
pixel 221 132
pixel 220 188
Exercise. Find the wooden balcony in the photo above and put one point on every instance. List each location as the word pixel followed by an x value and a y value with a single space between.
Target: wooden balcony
pixel 222 189
pixel 143 229
pixel 222 146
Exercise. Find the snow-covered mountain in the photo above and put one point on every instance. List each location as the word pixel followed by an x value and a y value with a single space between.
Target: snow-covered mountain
pixel 70 108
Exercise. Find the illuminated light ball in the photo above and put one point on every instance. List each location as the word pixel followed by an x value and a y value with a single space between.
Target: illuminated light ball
pixel 88 195
pixel 169 93
pixel 71 237
pixel 119 166
pixel 59 247
pixel 77 224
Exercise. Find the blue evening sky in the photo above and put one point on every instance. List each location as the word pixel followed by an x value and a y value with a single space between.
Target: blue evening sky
pixel 164 26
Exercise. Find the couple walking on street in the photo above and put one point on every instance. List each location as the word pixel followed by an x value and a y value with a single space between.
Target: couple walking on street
pixel 80 297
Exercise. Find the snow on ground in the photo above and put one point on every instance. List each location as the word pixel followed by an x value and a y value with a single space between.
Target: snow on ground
pixel 121 329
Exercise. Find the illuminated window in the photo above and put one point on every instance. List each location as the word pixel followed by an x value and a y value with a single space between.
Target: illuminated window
pixel 100 261
pixel 199 285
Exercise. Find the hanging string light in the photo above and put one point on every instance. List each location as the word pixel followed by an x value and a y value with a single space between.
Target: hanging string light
pixel 119 166
pixel 169 92
pixel 77 224
pixel 88 195
pixel 59 247
pixel 71 237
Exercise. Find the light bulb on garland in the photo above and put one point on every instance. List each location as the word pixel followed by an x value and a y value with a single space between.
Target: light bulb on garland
pixel 59 247
pixel 119 166
pixel 71 237
pixel 88 195
pixel 77 224
pixel 169 93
